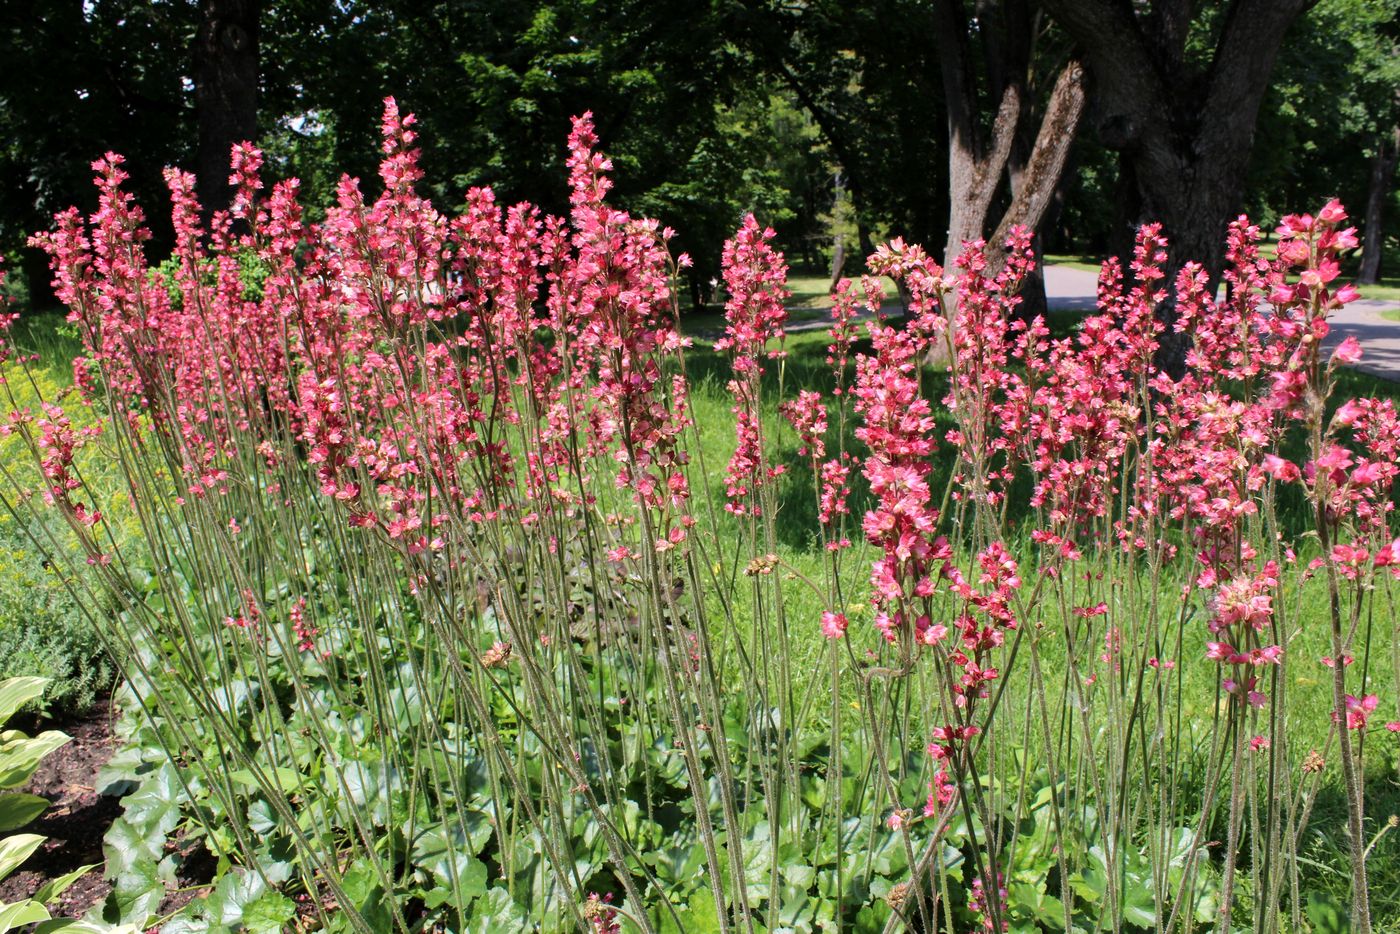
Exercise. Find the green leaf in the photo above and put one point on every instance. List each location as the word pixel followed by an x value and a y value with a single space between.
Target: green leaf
pixel 20 756
pixel 444 852
pixel 495 913
pixel 154 806
pixel 15 850
pixel 56 887
pixel 269 913
pixel 361 885
pixel 16 692
pixel 286 780
pixel 261 819
pixel 72 926
pixel 234 891
pixel 1139 914
pixel 191 925
pixel 16 810
pixel 133 857
pixel 21 913
pixel 1326 914
pixel 125 770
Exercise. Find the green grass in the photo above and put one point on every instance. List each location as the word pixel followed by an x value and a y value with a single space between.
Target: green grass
pixel 1387 289
pixel 812 290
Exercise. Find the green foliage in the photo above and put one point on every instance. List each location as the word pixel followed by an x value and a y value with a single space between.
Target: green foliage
pixel 1332 102
pixel 20 757
pixel 45 627
pixel 43 631
pixel 709 109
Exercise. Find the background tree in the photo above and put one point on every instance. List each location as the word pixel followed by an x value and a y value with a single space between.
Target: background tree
pixel 715 108
pixel 952 128
pixel 1177 92
pixel 81 79
pixel 225 91
pixel 994 130
pixel 1327 126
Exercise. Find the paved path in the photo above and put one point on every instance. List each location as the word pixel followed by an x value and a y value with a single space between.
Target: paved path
pixel 1069 289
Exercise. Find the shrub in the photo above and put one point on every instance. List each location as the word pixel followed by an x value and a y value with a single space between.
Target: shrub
pixel 440 622
pixel 43 632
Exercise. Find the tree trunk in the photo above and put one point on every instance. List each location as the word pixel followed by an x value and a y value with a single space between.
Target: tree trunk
pixel 1185 136
pixel 975 163
pixel 1034 186
pixel 1382 169
pixel 1195 227
pixel 225 92
pixel 867 242
pixel 838 240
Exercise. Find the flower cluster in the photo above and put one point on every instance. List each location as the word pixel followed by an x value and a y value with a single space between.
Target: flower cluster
pixel 755 276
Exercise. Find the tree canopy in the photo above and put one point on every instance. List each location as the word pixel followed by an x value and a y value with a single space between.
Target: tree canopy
pixel 715 108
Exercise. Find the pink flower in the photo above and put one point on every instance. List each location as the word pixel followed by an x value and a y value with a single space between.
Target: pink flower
pixel 1389 555
pixel 833 624
pixel 1358 709
pixel 1219 651
pixel 1332 212
pixel 1348 351
pixel 807 416
pixel 1280 469
pixel 942 791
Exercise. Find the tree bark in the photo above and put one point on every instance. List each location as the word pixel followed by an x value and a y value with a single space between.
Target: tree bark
pixel 1036 180
pixel 838 240
pixel 1373 241
pixel 225 92
pixel 1034 187
pixel 1185 137
pixel 975 162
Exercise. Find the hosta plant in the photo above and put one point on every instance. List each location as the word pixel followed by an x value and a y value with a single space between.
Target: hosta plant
pixel 20 756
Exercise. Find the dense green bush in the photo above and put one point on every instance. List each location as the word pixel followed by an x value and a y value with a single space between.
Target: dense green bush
pixel 43 631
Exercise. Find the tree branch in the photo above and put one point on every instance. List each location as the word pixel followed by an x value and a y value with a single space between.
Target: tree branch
pixel 1063 113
